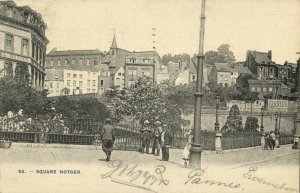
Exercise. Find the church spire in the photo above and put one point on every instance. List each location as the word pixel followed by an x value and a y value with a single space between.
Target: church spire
pixel 114 43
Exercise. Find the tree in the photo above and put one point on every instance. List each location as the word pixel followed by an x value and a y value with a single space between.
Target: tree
pixel 22 74
pixel 251 124
pixel 14 95
pixel 234 120
pixel 222 55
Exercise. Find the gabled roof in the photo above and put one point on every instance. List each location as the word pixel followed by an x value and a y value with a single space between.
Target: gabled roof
pixel 114 69
pixel 261 57
pixel 54 74
pixel 223 67
pixel 54 52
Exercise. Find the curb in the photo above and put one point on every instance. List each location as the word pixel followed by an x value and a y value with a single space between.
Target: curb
pixel 64 146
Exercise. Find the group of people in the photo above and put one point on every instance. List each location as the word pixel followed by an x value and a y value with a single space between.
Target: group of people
pixel 270 140
pixel 160 137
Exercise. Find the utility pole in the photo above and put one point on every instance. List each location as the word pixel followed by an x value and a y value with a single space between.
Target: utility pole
pixel 196 150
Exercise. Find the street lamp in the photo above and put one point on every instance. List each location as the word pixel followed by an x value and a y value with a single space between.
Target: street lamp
pixel 217 98
pixel 218 143
pixel 196 150
pixel 262 119
pixel 276 119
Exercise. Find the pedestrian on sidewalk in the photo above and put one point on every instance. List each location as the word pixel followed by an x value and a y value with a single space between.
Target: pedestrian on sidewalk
pixel 272 138
pixel 146 136
pixel 166 140
pixel 156 138
pixel 186 151
pixel 108 138
pixel 296 142
pixel 267 141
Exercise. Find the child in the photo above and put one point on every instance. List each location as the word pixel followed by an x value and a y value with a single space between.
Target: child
pixel 187 148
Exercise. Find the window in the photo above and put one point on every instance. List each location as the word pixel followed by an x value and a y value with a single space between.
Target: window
pixel 74 82
pixel 88 82
pixel 51 85
pixel 95 62
pixel 270 89
pixel 264 89
pixel 221 77
pixel 132 73
pixel 80 61
pixel 74 75
pixel 68 83
pixel 253 89
pixel 80 76
pixel 68 75
pixel 119 74
pixel 80 91
pixel 73 61
pixel 9 42
pixel 88 90
pixel 25 47
pixel 101 82
pixel 87 61
pixel 80 83
pixel 74 91
pixel 258 89
pixel 66 62
pixel 94 82
pixel 51 63
pixel 226 78
pixel 107 73
pixel 58 62
pixel 57 85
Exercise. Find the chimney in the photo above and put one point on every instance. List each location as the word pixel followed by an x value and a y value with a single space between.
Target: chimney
pixel 270 54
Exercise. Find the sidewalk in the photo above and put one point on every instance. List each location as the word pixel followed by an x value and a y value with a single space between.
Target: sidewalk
pixel 274 166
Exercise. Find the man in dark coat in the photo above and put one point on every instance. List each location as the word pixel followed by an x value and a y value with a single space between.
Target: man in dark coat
pixel 108 138
pixel 156 139
pixel 146 136
pixel 165 141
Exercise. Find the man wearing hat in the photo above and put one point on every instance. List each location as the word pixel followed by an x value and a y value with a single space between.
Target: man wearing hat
pixel 165 141
pixel 108 138
pixel 146 136
pixel 156 140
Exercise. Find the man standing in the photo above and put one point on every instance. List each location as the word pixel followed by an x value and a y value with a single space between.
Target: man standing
pixel 166 140
pixel 156 139
pixel 146 137
pixel 108 138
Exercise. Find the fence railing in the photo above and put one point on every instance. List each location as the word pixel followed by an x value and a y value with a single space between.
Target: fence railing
pixel 130 139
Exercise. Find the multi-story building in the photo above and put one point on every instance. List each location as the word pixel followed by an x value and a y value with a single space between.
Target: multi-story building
pixel 54 83
pixel 22 42
pixel 221 74
pixel 138 67
pixel 120 61
pixel 82 70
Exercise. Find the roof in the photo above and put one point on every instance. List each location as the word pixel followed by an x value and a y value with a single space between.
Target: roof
pixel 243 70
pixel 114 42
pixel 295 95
pixel 114 69
pixel 223 67
pixel 261 57
pixel 54 52
pixel 54 74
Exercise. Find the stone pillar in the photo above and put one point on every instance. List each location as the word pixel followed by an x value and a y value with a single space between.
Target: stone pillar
pixel 218 142
pixel 33 77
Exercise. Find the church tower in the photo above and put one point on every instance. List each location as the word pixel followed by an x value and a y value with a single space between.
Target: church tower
pixel 113 47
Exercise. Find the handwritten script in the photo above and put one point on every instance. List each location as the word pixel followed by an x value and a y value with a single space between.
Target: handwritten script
pixel 195 177
pixel 134 176
pixel 250 175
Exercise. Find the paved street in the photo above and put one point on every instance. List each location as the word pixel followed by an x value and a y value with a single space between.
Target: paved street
pixel 227 168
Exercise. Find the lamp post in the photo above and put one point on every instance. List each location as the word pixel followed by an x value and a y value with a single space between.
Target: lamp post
pixel 196 150
pixel 218 142
pixel 262 140
pixel 276 130
pixel 262 119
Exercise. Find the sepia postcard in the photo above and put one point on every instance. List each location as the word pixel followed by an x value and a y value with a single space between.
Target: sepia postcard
pixel 121 96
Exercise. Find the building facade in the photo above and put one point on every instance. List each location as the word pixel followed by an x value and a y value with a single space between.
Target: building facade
pixel 136 67
pixel 22 42
pixel 82 71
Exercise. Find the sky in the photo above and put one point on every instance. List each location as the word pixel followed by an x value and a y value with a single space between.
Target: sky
pixel 259 25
